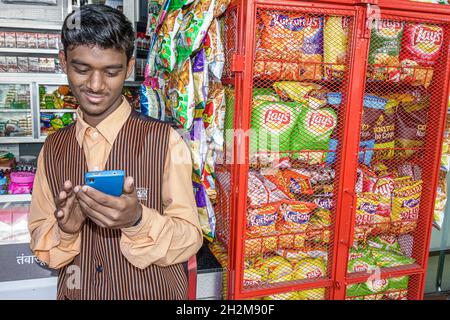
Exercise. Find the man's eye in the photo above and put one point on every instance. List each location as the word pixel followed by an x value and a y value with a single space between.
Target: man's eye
pixel 111 74
pixel 81 71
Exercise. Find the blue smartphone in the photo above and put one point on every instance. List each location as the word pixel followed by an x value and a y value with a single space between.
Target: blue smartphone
pixel 109 182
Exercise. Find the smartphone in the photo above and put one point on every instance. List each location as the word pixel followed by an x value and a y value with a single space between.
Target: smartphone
pixel 109 182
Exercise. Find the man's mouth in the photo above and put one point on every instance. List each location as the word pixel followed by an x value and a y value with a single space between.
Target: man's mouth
pixel 93 97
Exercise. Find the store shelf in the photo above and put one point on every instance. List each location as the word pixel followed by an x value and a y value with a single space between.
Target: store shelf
pixel 9 198
pixel 58 110
pixel 41 78
pixel 29 51
pixel 12 140
pixel 14 110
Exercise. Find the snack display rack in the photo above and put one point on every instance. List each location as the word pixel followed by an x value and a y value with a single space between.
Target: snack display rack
pixel 317 208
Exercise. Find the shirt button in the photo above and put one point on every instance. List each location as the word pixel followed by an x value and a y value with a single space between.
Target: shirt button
pixel 99 269
pixel 95 135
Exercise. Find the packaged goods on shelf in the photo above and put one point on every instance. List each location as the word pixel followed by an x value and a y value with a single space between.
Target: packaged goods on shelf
pixel 14 225
pixel 379 289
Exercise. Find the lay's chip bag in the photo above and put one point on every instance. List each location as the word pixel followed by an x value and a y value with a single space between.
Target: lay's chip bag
pixel 421 47
pixel 335 46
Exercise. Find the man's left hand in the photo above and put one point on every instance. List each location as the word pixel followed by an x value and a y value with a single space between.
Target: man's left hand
pixel 109 211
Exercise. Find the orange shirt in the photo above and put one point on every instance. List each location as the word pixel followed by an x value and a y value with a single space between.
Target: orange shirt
pixel 159 239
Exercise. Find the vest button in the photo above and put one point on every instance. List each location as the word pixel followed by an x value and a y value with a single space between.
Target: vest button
pixel 99 268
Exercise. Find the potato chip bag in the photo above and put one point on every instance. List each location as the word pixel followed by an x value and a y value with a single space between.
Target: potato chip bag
pixel 309 268
pixel 401 182
pixel 177 4
pixel 421 47
pixel 312 294
pixel 277 269
pixel 194 27
pixel 169 30
pixel 216 99
pixel 200 76
pixel 312 50
pixel 215 51
pixel 272 124
pixel 257 246
pixel 221 7
pixel 296 183
pixel 405 208
pixel 387 242
pixel 372 215
pixel 384 49
pixel 181 95
pixel 311 94
pixel 384 186
pixel 318 229
pixel 257 192
pixel 313 130
pixel 370 288
pixel 384 134
pixel 294 216
pixel 292 241
pixel 264 94
pixel 360 260
pixel 252 277
pixel 261 220
pixel 388 259
pixel 335 46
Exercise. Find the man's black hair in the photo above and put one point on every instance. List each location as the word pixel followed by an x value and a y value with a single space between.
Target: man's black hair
pixel 98 25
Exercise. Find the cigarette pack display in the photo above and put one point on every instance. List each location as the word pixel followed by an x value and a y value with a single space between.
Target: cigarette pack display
pixel 3 67
pixel 10 39
pixel 2 39
pixel 22 64
pixel 32 40
pixel 46 65
pixel 42 41
pixel 33 64
pixel 21 40
pixel 11 64
pixel 53 41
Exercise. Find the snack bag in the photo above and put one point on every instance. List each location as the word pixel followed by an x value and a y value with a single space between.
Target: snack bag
pixel 309 269
pixel 262 191
pixel 154 9
pixel 215 101
pixel 388 259
pixel 256 247
pixel 200 76
pixel 272 124
pixel 294 216
pixel 198 144
pixel 313 131
pixel 384 49
pixel 384 133
pixel 384 186
pixel 261 220
pixel 372 215
pixel 397 288
pixel 335 46
pixel 177 4
pixel 204 208
pixel 421 47
pixel 361 260
pixel 221 7
pixel 312 50
pixel 277 269
pixel 181 95
pixel 215 51
pixel 194 27
pixel 169 30
pixel 252 277
pixel 296 183
pixel 405 208
pixel 411 126
pixel 261 95
pixel 369 290
pixel 318 228
pixel 386 242
pixel 311 94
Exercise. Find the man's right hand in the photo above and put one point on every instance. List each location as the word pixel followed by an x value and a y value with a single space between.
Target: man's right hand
pixel 70 218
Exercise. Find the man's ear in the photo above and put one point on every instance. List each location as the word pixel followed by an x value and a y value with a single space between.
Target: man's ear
pixel 63 61
pixel 130 66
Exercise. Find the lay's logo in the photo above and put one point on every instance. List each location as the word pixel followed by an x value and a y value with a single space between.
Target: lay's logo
pixel 361 268
pixel 277 117
pixel 428 36
pixel 322 120
pixel 316 273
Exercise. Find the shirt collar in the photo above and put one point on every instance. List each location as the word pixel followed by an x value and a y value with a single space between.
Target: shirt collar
pixel 109 128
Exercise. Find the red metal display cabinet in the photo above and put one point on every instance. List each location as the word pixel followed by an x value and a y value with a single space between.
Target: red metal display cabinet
pixel 311 205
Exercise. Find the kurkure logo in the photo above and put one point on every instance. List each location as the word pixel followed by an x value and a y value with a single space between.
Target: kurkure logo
pixel 368 207
pixel 295 24
pixel 263 220
pixel 427 35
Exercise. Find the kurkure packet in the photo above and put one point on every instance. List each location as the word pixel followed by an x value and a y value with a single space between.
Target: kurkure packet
pixel 169 30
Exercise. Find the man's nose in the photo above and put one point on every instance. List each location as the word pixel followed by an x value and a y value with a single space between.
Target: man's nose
pixel 95 83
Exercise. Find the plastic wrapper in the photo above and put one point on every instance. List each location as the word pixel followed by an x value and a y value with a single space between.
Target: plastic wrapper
pixel 311 94
pixel 205 211
pixel 213 117
pixel 389 259
pixel 169 30
pixel 215 52
pixel 294 216
pixel 263 191
pixel 194 27
pixel 177 4
pixel 200 76
pixel 372 215
pixel 405 208
pixel 318 229
pixel 421 47
pixel 261 220
pixel 296 183
pixel 257 246
pixel 361 260
pixel 384 52
pixel 221 7
pixel 272 124
pixel 313 131
pixel 309 268
pixel 154 9
pixel 181 95
pixel 386 242
pixel 277 269
pixel 336 34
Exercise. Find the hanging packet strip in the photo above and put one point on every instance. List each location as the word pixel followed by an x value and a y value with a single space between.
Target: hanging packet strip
pixel 154 9
pixel 215 52
pixel 194 27
pixel 178 4
pixel 335 46
pixel 200 75
pixel 169 30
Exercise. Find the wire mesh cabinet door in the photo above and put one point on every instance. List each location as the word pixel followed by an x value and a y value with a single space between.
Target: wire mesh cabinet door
pixel 400 139
pixel 291 109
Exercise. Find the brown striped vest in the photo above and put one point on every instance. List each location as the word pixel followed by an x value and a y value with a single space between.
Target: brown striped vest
pixel 100 271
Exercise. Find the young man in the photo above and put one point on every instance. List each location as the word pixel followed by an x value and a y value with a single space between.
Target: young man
pixel 127 247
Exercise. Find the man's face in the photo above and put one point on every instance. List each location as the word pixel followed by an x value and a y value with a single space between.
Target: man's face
pixel 96 77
